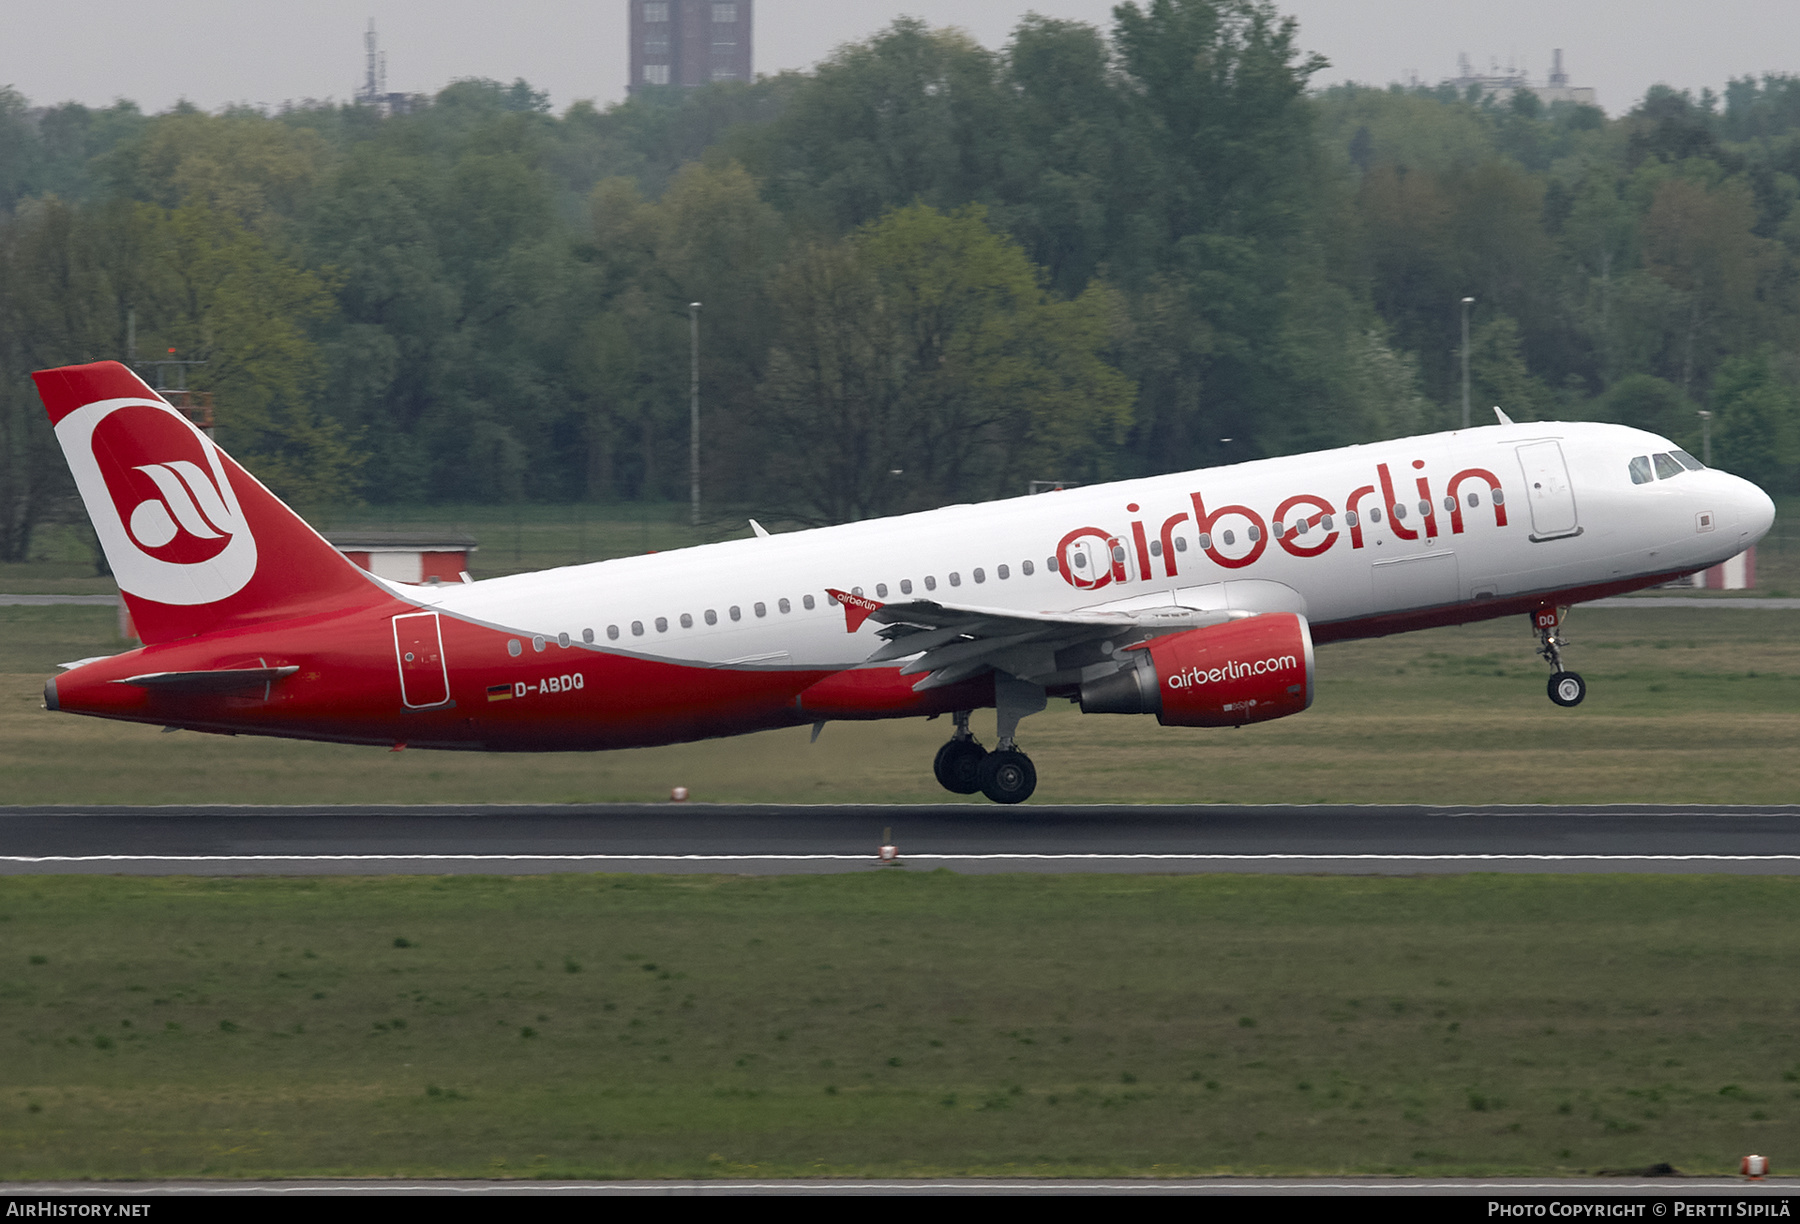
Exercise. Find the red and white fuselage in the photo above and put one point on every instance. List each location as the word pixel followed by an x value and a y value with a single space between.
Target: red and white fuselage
pixel 225 582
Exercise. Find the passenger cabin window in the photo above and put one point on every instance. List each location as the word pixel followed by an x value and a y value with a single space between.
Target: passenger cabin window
pixel 761 609
pixel 662 624
pixel 712 617
pixel 930 583
pixel 612 633
pixel 784 605
pixel 1640 470
pixel 1666 466
pixel 737 613
pixel 906 586
pixel 562 639
pixel 955 579
pixel 687 620
pixel 1003 572
pixel 587 635
pixel 637 628
pixel 881 590
pixel 1025 567
pixel 807 602
pixel 980 574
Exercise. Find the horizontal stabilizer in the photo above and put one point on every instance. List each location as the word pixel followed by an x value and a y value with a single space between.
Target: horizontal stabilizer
pixel 224 680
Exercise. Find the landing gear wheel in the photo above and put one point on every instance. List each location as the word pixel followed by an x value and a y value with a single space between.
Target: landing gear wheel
pixel 1007 776
pixel 1567 688
pixel 958 764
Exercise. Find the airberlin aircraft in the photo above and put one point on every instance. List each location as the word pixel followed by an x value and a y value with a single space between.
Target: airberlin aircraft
pixel 1196 598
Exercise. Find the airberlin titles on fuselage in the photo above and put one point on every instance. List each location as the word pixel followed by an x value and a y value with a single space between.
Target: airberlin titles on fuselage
pixel 1218 528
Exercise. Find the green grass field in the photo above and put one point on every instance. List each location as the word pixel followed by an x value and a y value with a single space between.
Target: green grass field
pixel 896 1024
pixel 890 1023
pixel 1684 705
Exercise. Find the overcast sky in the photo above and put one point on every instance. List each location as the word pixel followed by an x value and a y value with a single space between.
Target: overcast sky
pixel 217 52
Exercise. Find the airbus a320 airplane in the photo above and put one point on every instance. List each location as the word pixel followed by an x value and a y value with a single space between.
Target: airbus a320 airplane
pixel 1196 598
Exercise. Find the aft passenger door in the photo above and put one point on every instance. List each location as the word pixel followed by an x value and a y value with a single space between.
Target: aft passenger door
pixel 419 649
pixel 1548 490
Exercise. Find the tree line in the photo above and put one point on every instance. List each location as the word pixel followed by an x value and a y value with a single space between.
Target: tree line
pixel 928 272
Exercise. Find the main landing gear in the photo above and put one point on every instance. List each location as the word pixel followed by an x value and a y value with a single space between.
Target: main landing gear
pixel 1004 775
pixel 963 767
pixel 958 763
pixel 1566 687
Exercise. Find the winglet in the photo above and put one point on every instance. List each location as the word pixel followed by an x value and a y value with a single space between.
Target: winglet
pixel 762 533
pixel 1504 419
pixel 856 608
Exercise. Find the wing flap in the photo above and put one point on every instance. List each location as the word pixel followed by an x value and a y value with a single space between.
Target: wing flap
pixel 948 643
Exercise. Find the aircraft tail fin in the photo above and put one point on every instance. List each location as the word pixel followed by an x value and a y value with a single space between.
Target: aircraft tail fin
pixel 195 542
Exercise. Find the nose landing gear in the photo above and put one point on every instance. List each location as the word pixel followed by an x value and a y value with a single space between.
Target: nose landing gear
pixel 1566 688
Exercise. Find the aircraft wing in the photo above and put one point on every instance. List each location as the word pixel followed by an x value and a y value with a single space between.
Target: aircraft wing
pixel 946 643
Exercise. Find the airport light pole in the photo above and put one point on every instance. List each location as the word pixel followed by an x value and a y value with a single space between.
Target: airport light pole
pixel 694 412
pixel 1706 437
pixel 1466 303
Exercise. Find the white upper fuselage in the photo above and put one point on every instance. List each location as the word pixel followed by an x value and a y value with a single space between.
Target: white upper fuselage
pixel 1574 519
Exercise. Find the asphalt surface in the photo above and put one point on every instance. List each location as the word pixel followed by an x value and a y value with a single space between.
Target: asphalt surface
pixel 766 839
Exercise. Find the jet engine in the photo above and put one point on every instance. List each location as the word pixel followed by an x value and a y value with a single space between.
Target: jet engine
pixel 1244 671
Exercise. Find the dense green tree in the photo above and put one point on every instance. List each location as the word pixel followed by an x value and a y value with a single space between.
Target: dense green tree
pixel 1086 254
pixel 1756 430
pixel 926 361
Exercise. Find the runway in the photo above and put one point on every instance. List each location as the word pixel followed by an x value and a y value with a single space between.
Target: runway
pixel 781 839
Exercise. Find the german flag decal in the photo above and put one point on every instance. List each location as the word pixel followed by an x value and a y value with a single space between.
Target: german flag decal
pixel 500 692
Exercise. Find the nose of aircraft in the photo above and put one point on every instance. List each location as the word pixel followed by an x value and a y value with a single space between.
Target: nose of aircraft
pixel 1755 510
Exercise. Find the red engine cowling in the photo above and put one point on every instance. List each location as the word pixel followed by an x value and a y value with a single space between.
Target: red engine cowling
pixel 1227 675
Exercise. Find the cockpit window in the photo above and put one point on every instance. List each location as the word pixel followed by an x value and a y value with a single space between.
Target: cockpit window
pixel 1640 470
pixel 1666 467
pixel 1688 461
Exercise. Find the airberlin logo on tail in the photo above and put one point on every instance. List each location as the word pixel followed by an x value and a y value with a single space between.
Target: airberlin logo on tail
pixel 162 505
pixel 188 501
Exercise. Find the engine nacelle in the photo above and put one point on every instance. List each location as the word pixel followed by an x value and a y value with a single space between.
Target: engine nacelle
pixel 1244 671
